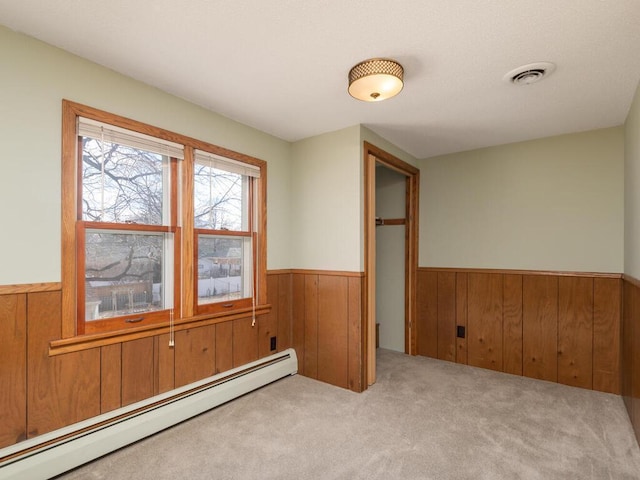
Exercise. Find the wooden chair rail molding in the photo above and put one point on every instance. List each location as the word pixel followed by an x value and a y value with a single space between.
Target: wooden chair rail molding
pixel 555 273
pixel 301 271
pixel 633 281
pixel 30 288
pixel 55 286
pixel 563 327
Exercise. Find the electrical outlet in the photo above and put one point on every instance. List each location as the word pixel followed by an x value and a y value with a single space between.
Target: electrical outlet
pixel 461 331
pixel 273 343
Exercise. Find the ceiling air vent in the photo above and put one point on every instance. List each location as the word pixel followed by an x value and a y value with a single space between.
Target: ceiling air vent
pixel 528 74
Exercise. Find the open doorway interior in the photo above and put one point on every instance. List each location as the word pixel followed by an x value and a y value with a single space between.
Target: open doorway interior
pixel 397 295
pixel 390 211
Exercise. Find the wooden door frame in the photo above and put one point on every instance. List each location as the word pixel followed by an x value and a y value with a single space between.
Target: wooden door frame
pixel 373 155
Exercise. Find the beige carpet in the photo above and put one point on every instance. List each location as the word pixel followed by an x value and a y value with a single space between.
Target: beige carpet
pixel 423 419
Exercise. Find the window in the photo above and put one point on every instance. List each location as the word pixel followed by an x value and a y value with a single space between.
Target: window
pixel 133 196
pixel 224 226
pixel 126 227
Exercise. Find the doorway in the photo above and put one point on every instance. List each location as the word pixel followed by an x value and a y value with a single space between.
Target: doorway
pixel 376 158
pixel 390 274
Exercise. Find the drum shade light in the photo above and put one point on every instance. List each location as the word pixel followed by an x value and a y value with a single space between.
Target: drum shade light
pixel 375 80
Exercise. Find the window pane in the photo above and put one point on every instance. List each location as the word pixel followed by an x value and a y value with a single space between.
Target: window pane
pixel 121 184
pixel 224 268
pixel 124 273
pixel 220 199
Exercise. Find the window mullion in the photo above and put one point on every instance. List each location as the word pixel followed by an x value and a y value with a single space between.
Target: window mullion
pixel 189 270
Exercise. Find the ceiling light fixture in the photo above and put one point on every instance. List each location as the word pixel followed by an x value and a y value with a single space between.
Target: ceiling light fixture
pixel 375 80
pixel 528 74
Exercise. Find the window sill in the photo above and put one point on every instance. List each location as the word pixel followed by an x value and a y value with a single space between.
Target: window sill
pixel 85 342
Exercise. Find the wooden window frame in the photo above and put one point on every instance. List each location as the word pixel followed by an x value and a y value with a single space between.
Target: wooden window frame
pixel 181 225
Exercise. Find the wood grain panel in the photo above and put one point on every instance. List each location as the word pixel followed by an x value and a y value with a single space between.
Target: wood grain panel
pixel 298 319
pixel 591 340
pixel 311 326
pixel 461 316
pixel 165 364
pixel 137 370
pixel 512 324
pixel 268 325
pixel 540 327
pixel 195 354
pixel 627 344
pixel 224 346
pixel 13 369
pixel 245 341
pixel 284 312
pixel 607 297
pixel 446 292
pixel 110 377
pixel 333 310
pixel 575 331
pixel 355 335
pixel 64 389
pixel 427 314
pixel 635 360
pixel 484 318
pixel 83 342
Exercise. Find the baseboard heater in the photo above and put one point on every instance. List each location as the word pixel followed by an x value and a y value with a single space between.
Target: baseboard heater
pixel 56 452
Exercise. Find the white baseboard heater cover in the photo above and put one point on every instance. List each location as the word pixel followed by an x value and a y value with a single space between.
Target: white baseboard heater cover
pixel 56 452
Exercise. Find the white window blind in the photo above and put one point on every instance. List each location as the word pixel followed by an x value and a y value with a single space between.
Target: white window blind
pixel 121 136
pixel 227 164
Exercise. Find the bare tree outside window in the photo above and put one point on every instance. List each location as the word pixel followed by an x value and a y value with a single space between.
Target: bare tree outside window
pixel 121 184
pixel 123 273
pixel 218 199
pixel 123 270
pixel 221 205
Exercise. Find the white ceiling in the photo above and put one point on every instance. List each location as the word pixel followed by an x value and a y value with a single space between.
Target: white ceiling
pixel 281 65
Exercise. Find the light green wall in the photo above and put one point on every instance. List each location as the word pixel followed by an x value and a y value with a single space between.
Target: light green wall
pixel 326 222
pixel 549 204
pixel 554 203
pixel 327 204
pixel 632 189
pixel 373 138
pixel 35 78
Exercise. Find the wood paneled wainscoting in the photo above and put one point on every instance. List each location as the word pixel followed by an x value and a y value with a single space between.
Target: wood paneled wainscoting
pixel 328 334
pixel 631 350
pixel 40 392
pixel 317 312
pixel 562 327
